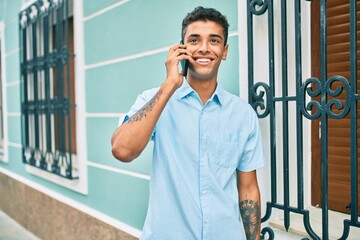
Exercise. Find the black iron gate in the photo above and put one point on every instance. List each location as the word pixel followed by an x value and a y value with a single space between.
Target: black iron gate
pixel 262 96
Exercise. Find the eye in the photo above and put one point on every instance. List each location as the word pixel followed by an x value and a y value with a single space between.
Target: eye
pixel 193 40
pixel 215 40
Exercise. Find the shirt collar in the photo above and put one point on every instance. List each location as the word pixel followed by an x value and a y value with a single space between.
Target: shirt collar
pixel 186 89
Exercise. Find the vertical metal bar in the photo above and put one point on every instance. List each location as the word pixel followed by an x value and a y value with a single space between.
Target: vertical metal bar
pixel 35 90
pixel 25 93
pixel 250 52
pixel 299 120
pixel 353 112
pixel 272 108
pixel 60 78
pixel 324 119
pixel 69 165
pixel 285 117
pixel 47 84
pixel 271 83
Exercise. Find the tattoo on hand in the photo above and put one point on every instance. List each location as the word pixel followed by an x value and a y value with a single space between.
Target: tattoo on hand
pixel 250 213
pixel 145 109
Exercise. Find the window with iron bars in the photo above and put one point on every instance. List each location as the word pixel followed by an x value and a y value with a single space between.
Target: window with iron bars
pixel 48 96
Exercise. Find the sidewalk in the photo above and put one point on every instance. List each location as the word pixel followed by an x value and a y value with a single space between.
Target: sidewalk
pixel 11 230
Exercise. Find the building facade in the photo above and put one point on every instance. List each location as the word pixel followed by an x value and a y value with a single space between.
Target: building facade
pixel 71 69
pixel 117 49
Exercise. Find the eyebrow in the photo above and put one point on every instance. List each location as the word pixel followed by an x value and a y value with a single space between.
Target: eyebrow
pixel 211 35
pixel 215 35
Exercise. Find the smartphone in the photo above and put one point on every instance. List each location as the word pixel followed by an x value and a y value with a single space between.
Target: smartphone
pixel 184 64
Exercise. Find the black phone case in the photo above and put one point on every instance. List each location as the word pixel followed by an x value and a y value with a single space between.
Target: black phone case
pixel 184 67
pixel 184 64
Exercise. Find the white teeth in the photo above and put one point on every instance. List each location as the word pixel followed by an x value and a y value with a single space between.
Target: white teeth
pixel 203 60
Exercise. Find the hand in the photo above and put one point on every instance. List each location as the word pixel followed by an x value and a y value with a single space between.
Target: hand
pixel 176 53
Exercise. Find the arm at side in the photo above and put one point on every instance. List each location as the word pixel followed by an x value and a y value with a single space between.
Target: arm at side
pixel 249 203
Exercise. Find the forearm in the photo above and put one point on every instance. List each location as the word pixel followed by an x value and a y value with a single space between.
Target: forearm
pixel 250 209
pixel 249 203
pixel 131 138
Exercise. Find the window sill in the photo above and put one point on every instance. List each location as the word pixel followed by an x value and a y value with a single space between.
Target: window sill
pixel 2 156
pixel 75 185
pixel 335 224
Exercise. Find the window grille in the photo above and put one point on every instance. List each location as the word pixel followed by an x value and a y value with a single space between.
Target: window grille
pixel 48 105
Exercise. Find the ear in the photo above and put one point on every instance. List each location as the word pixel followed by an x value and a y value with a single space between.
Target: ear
pixel 226 48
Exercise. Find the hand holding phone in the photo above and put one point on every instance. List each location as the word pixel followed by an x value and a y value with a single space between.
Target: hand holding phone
pixel 184 64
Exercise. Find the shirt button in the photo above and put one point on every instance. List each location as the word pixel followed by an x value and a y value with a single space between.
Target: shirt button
pixel 206 221
pixel 204 192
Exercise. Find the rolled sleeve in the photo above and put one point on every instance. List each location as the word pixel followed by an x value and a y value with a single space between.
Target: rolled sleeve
pixel 253 156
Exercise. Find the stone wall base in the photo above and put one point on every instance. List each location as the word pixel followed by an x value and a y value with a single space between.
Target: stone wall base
pixel 49 218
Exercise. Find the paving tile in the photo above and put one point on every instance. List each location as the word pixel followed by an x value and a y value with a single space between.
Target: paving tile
pixel 11 230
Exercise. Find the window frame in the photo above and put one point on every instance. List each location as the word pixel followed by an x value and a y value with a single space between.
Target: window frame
pixel 4 156
pixel 80 184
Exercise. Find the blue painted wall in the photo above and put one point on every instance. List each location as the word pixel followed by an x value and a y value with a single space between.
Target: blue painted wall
pixel 115 35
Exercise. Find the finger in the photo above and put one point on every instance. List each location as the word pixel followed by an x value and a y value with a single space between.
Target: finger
pixel 187 52
pixel 191 59
pixel 186 57
pixel 172 50
pixel 180 51
pixel 177 46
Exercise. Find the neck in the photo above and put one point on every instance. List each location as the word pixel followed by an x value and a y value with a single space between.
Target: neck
pixel 205 88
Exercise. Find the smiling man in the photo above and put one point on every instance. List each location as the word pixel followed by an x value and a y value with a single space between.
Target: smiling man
pixel 207 143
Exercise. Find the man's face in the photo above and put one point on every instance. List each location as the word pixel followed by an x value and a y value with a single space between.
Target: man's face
pixel 205 40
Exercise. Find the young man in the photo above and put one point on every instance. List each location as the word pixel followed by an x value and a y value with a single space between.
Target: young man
pixel 207 143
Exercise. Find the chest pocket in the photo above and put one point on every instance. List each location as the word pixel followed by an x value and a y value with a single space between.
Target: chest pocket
pixel 227 146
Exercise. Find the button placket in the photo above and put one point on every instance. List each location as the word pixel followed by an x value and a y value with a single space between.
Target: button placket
pixel 205 188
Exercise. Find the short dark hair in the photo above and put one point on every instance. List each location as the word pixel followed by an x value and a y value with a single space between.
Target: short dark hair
pixel 205 14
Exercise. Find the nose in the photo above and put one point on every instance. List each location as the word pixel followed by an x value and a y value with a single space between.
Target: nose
pixel 204 47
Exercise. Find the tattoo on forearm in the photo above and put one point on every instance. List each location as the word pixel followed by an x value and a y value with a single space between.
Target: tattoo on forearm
pixel 145 109
pixel 250 213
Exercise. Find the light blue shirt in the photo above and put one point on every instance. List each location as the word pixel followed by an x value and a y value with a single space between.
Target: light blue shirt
pixel 197 149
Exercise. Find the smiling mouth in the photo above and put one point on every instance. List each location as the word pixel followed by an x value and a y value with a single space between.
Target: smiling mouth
pixel 203 61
